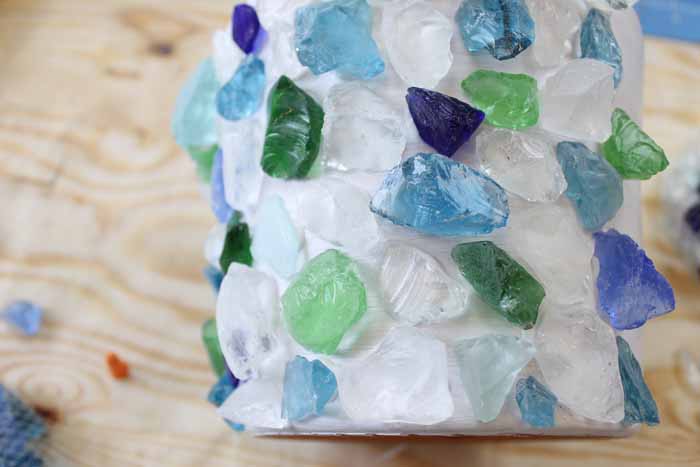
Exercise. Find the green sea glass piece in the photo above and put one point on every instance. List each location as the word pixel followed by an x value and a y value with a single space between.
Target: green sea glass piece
pixel 237 244
pixel 500 281
pixel 211 343
pixel 508 100
pixel 324 301
pixel 204 159
pixel 631 151
pixel 293 137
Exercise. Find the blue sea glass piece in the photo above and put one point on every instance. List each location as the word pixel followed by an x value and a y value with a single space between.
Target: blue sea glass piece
pixel 537 403
pixel 436 195
pixel 308 387
pixel 25 316
pixel 640 406
pixel 219 205
pixel 443 122
pixel 223 388
pixel 598 42
pixel 504 28
pixel 594 186
pixel 337 35
pixel 630 289
pixel 247 32
pixel 214 276
pixel 242 95
pixel 20 426
pixel 195 112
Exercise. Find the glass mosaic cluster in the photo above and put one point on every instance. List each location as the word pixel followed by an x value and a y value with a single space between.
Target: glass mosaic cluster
pixel 404 242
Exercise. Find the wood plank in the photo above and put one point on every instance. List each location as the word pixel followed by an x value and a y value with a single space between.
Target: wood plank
pixel 103 223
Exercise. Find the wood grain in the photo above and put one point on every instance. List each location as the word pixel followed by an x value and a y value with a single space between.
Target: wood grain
pixel 103 223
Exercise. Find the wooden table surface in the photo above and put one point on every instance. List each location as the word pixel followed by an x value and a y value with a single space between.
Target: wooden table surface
pixel 103 222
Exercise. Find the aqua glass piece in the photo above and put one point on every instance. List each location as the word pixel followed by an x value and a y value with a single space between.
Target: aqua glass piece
pixel 537 403
pixel 194 120
pixel 599 43
pixel 241 97
pixel 337 35
pixel 504 28
pixel 276 242
pixel 640 406
pixel 308 387
pixel 489 366
pixel 436 195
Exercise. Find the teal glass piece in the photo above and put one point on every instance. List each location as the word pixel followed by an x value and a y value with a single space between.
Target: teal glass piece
pixel 640 406
pixel 594 186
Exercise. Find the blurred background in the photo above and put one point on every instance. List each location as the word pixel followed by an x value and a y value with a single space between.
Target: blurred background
pixel 103 223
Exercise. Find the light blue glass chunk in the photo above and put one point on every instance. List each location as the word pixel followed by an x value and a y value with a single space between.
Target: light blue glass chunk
pixel 195 112
pixel 308 387
pixel 337 35
pixel 536 403
pixel 504 28
pixel 242 95
pixel 276 241
pixel 436 195
pixel 599 43
pixel 594 186
pixel 25 316
pixel 640 406
pixel 219 205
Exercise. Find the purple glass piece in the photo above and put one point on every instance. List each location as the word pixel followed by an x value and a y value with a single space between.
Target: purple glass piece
pixel 246 28
pixel 443 122
pixel 630 289
pixel 260 41
pixel 692 218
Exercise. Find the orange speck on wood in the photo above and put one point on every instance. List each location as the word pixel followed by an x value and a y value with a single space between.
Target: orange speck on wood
pixel 118 368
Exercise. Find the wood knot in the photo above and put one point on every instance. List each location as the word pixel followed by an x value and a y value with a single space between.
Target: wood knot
pixel 50 416
pixel 162 49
